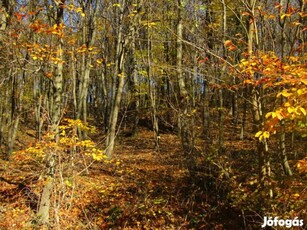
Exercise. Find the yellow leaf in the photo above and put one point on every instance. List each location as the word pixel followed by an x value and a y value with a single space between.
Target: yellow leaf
pixel 98 157
pixel 304 81
pixel 302 165
pixel 83 14
pixel 290 109
pixel 78 9
pixel 284 93
pixel 269 115
pixel 284 15
pixel 287 104
pixel 303 111
pixel 68 183
pixel 121 74
pixel 279 115
pixel 258 134
pixel 266 134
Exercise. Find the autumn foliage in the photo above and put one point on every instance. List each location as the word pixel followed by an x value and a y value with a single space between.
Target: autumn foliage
pixel 152 114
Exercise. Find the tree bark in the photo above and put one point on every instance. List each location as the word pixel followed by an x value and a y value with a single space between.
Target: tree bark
pixel 120 77
pixel 44 204
pixel 183 118
pixel 89 29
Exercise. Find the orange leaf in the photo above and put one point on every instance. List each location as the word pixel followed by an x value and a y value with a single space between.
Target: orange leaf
pixel 228 43
pixel 232 48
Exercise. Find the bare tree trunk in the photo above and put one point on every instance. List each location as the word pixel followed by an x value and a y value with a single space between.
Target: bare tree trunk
pixel 105 102
pixel 220 90
pixel 282 137
pixel 120 76
pixel 135 88
pixel 206 111
pixel 152 90
pixel 89 29
pixel 183 117
pixel 113 119
pixel 16 107
pixel 244 113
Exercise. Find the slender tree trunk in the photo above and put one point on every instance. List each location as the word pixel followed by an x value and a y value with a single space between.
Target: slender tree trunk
pixel 220 90
pixel 16 107
pixel 44 204
pixel 134 72
pixel 235 106
pixel 120 76
pixel 152 90
pixel 88 39
pixel 244 113
pixel 105 101
pixel 183 118
pixel 135 88
pixel 257 95
pixel 206 111
pixel 114 117
pixel 282 137
pixel 38 88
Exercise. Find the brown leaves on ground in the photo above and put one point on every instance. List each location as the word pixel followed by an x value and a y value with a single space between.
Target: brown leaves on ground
pixel 141 188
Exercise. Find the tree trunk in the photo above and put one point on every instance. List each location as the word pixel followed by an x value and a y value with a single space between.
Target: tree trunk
pixel 152 90
pixel 44 204
pixel 256 94
pixel 282 137
pixel 120 76
pixel 206 111
pixel 220 90
pixel 135 88
pixel 183 116
pixel 113 119
pixel 89 29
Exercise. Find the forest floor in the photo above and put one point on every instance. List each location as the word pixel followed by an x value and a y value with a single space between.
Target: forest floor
pixel 141 188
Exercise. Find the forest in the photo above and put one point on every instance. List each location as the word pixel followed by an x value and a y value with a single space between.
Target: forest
pixel 153 114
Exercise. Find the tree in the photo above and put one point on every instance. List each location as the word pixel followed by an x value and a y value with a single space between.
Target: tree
pixel 44 206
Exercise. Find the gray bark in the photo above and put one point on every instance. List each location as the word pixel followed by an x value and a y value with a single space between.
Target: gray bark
pixel 117 88
pixel 44 204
